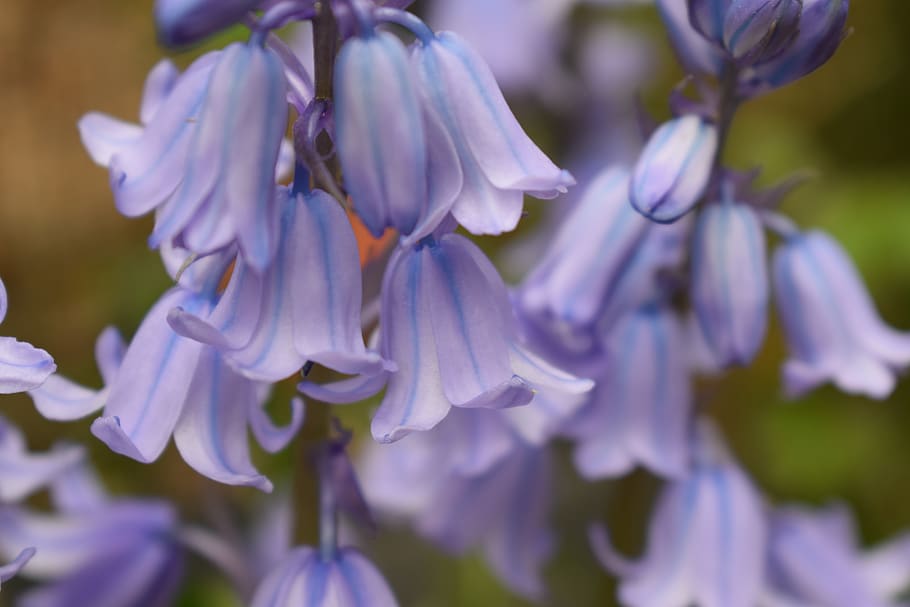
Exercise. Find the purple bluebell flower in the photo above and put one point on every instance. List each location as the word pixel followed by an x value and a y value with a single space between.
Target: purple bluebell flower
pixel 305 307
pixel 306 579
pixel 730 281
pixel 481 144
pixel 9 570
pixel 640 409
pixel 697 55
pixel 228 188
pixel 814 559
pixel 581 269
pixel 674 168
pixel 22 473
pixel 706 540
pixel 97 551
pixel 447 323
pixel 821 30
pixel 833 329
pixel 186 21
pixel 22 365
pixel 376 103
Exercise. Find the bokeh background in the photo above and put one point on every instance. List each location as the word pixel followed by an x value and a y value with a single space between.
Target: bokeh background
pixel 72 265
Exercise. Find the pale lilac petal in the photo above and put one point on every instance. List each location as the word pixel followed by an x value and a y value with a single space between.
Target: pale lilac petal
pixel 211 433
pixel 414 398
pixel 198 273
pixel 503 150
pixel 730 282
pixel 158 86
pixel 145 174
pixel 104 136
pixel 9 571
pixel 21 474
pixel 23 367
pixel 327 295
pixel 607 556
pixel 473 346
pixel 476 441
pixel 696 54
pixel 346 390
pixel 271 437
pixel 79 491
pixel 376 103
pixel 110 348
pixel 151 387
pixel 886 568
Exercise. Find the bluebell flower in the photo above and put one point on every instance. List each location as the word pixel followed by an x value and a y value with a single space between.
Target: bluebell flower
pixel 730 281
pixel 186 21
pixel 227 191
pixel 706 540
pixel 482 149
pixel 97 551
pixel 376 104
pixel 22 473
pixel 833 329
pixel 674 169
pixel 306 579
pixel 164 385
pixel 305 307
pixel 22 365
pixel 814 559
pixel 697 55
pixel 757 31
pixel 640 410
pixel 821 30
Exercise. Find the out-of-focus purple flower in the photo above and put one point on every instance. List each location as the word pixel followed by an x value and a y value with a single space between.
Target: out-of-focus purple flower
pixel 706 540
pixel 306 579
pixel 833 329
pixel 814 559
pixel 305 307
pixel 186 21
pixel 674 168
pixel 730 281
pixel 9 571
pixel 640 409
pixel 22 365
pixel 228 188
pixel 165 384
pixel 577 276
pixel 447 323
pixel 756 31
pixel 821 30
pixel 480 143
pixel 99 552
pixel 21 472
pixel 695 53
pixel 376 103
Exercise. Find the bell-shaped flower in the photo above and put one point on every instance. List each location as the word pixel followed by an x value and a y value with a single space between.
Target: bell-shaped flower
pixel 577 276
pixel 814 559
pixel 447 323
pixel 22 365
pixel 833 329
pixel 97 551
pixel 695 53
pixel 22 473
pixel 821 30
pixel 756 31
pixel 640 410
pixel 706 540
pixel 305 307
pixel 164 384
pixel 730 281
pixel 674 169
pixel 9 570
pixel 482 146
pixel 307 579
pixel 376 105
pixel 186 21
pixel 228 188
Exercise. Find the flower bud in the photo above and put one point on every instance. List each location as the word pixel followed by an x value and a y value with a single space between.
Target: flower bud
pixel 674 169
pixel 756 31
pixel 186 21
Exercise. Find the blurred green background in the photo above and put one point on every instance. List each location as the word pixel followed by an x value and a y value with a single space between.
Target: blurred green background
pixel 73 265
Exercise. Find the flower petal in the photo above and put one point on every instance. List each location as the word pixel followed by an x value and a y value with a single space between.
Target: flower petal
pixel 274 438
pixel 23 367
pixel 104 136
